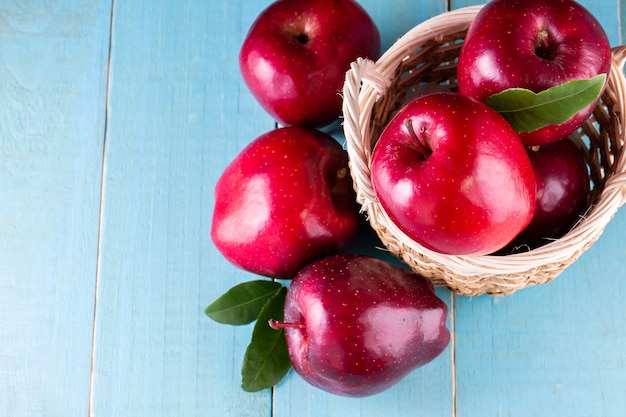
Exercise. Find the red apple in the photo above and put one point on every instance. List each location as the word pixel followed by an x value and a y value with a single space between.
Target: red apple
pixel 296 54
pixel 356 325
pixel 453 175
pixel 563 184
pixel 284 201
pixel 533 44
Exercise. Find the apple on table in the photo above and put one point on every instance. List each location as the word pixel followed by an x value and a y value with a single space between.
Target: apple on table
pixel 284 201
pixel 296 53
pixel 356 325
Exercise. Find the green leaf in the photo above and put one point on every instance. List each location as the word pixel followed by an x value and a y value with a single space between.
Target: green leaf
pixel 242 303
pixel 528 111
pixel 266 360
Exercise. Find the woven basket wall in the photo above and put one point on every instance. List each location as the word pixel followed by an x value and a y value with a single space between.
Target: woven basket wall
pixel 423 60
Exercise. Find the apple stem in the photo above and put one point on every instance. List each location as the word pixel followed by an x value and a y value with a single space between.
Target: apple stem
pixel 277 325
pixel 423 148
pixel 543 45
pixel 303 38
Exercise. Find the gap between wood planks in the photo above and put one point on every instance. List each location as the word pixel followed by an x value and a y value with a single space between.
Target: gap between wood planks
pixel 100 214
pixel 453 351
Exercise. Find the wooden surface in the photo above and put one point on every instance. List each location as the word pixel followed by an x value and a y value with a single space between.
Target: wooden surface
pixel 116 119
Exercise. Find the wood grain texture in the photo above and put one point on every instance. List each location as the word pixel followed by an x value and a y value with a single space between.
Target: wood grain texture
pixel 622 19
pixel 556 349
pixel 53 64
pixel 559 346
pixel 175 113
pixel 178 113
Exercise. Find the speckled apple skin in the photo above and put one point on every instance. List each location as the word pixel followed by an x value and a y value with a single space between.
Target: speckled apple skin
pixel 476 189
pixel 296 82
pixel 284 201
pixel 499 52
pixel 367 324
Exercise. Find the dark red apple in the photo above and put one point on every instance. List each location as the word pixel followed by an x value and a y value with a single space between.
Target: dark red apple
pixel 295 56
pixel 563 185
pixel 453 175
pixel 356 325
pixel 533 44
pixel 284 201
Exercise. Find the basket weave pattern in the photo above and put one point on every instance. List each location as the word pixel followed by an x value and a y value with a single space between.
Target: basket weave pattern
pixel 425 59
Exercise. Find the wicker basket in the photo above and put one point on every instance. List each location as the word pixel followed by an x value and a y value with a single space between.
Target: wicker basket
pixel 427 55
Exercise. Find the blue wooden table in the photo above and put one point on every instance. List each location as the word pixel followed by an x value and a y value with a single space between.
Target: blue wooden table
pixel 116 119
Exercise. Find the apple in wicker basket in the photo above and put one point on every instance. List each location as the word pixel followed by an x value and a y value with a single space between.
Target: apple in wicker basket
pixel 297 52
pixel 534 45
pixel 356 325
pixel 285 200
pixel 563 184
pixel 453 175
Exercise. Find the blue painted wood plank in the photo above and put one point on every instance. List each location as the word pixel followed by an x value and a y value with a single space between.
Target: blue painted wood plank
pixel 53 65
pixel 556 349
pixel 622 22
pixel 395 18
pixel 178 113
pixel 427 391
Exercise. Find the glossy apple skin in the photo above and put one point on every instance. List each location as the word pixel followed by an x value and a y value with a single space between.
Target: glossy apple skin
pixel 500 51
pixel 284 201
pixel 366 324
pixel 563 185
pixel 295 56
pixel 459 181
